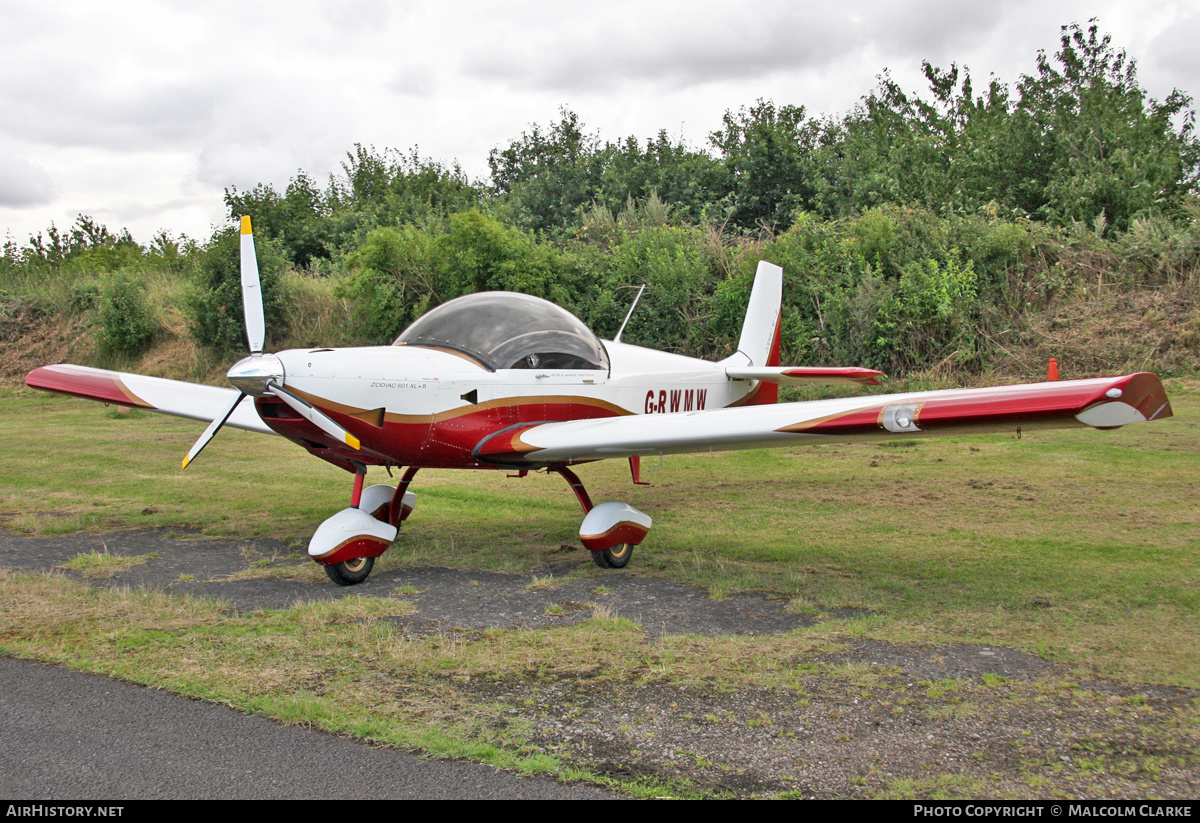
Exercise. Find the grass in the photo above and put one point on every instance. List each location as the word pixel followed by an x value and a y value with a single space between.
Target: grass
pixel 1078 545
pixel 340 666
pixel 102 564
pixel 266 663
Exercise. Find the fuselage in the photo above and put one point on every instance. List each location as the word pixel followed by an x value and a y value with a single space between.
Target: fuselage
pixel 431 407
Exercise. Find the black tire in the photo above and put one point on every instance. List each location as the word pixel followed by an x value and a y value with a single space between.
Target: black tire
pixel 616 557
pixel 350 572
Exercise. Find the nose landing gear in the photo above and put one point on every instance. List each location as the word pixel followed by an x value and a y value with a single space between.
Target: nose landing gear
pixel 348 543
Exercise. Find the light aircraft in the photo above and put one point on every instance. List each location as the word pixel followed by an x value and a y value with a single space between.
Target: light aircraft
pixel 504 381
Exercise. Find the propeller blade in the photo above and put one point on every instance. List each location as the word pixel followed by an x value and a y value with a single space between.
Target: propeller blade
pixel 256 322
pixel 313 415
pixel 211 431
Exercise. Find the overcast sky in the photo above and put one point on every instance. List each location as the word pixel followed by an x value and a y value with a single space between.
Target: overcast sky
pixel 141 113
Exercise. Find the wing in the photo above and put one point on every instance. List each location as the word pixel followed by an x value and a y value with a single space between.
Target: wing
pixel 1102 403
pixel 191 400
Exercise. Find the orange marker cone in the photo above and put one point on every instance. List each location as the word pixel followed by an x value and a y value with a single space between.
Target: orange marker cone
pixel 1052 372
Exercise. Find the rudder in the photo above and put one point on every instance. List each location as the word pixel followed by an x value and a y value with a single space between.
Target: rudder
pixel 760 331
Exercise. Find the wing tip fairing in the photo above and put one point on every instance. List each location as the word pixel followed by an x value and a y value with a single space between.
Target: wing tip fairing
pixel 86 382
pixel 1134 398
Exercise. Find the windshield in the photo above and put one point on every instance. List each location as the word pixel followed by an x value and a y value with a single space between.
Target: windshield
pixel 505 330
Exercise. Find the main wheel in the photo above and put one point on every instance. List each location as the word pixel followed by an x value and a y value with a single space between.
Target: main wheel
pixel 352 571
pixel 616 557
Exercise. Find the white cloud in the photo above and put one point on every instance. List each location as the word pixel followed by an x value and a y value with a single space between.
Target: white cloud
pixel 22 184
pixel 147 110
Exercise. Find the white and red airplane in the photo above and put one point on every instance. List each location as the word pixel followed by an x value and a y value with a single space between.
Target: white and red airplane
pixel 497 380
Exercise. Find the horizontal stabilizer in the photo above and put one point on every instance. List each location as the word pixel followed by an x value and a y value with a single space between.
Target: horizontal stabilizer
pixel 800 375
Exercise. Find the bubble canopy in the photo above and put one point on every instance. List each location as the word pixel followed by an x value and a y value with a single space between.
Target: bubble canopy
pixel 505 330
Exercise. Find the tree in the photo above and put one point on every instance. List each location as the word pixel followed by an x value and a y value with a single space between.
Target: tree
pixel 400 188
pixel 1107 148
pixel 1082 142
pixel 548 176
pixel 686 180
pixel 296 219
pixel 769 155
pixel 376 188
pixel 86 245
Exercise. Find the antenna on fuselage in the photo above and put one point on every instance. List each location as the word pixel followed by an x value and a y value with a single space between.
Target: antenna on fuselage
pixel 624 323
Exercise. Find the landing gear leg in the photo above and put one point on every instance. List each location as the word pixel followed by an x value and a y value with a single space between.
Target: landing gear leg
pixel 399 510
pixel 610 530
pixel 576 486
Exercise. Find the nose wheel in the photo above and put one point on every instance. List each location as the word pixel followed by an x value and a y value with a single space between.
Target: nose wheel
pixel 615 557
pixel 352 571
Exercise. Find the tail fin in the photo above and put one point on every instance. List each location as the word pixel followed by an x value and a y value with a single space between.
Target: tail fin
pixel 760 332
pixel 759 343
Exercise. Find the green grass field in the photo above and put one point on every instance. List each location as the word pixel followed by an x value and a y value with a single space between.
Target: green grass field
pixel 1079 546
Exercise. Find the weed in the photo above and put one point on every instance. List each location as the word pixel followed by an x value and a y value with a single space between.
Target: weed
pixel 102 564
pixel 804 608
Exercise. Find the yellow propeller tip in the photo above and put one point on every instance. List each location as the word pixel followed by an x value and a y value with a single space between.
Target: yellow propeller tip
pixel 352 441
pixel 246 225
pixel 185 464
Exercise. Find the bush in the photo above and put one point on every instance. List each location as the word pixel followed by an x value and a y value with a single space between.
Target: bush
pixel 125 317
pixel 214 307
pixel 930 316
pixel 674 311
pixel 392 282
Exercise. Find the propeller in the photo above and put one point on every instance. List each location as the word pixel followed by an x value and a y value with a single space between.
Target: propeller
pixel 313 415
pixel 261 374
pixel 211 431
pixel 252 305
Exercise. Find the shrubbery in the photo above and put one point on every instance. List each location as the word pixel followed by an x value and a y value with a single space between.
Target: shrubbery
pixel 124 316
pixel 214 306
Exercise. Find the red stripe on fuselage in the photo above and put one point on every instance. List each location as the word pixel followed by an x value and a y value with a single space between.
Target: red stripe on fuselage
pixel 448 443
